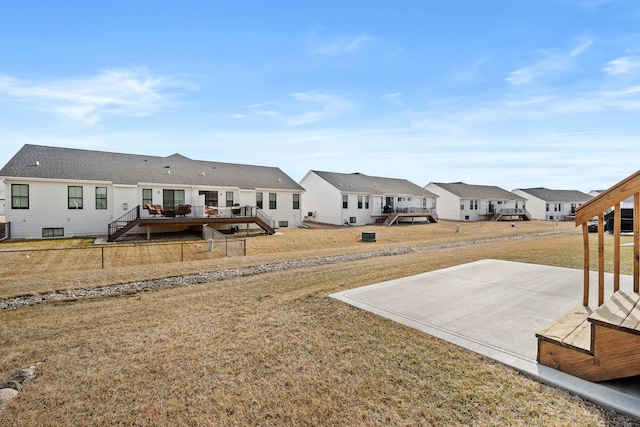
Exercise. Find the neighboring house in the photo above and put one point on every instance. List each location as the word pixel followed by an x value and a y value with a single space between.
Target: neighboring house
pixel 357 199
pixel 546 204
pixel 458 201
pixel 2 201
pixel 60 192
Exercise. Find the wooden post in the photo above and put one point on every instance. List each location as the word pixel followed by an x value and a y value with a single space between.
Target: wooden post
pixel 636 242
pixel 600 259
pixel 585 240
pixel 617 229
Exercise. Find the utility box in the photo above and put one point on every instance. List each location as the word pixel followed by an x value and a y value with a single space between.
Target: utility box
pixel 368 236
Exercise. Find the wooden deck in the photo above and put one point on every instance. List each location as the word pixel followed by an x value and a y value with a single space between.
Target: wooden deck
pixel 188 221
pixel 394 218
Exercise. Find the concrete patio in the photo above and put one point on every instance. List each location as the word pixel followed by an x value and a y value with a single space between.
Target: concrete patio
pixel 495 308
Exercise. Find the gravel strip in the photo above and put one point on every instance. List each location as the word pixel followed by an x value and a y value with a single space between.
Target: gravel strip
pixel 135 287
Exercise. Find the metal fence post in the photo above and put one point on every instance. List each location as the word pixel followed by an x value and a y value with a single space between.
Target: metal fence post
pixel 103 257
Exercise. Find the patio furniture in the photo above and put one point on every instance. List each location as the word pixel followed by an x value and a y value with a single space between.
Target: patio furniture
pixel 183 210
pixel 154 209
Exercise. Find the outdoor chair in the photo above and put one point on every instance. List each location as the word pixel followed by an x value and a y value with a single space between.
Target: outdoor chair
pixel 153 209
pixel 183 209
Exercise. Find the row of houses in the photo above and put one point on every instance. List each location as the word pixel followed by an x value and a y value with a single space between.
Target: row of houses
pixel 62 192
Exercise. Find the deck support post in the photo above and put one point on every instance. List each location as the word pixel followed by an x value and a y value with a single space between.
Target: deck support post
pixel 617 229
pixel 600 259
pixel 636 242
pixel 585 241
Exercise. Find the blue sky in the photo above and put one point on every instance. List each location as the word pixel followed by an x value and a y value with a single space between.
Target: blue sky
pixel 517 94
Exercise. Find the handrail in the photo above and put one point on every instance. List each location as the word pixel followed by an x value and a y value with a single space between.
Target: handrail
pixel 596 207
pixel 607 199
pixel 124 220
pixel 265 218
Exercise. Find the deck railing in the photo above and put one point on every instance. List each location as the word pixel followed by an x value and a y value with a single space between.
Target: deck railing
pixel 410 210
pixel 213 212
pixel 596 207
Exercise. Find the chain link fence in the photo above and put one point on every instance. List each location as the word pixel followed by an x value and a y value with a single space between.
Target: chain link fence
pixel 38 261
pixel 229 247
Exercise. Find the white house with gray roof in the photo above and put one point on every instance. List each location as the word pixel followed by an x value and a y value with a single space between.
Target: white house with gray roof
pixel 547 204
pixel 358 199
pixel 61 192
pixel 458 201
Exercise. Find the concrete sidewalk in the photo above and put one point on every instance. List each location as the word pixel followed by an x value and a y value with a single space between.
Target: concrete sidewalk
pixel 495 308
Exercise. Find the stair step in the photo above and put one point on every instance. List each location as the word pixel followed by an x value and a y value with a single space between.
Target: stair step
pixel 621 311
pixel 571 330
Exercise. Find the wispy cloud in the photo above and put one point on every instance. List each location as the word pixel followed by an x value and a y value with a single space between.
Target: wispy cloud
pixel 623 65
pixel 551 62
pixel 340 45
pixel 114 92
pixel 325 106
pixel 393 98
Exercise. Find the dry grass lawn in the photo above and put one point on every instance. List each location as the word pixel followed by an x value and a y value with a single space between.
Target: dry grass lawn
pixel 273 349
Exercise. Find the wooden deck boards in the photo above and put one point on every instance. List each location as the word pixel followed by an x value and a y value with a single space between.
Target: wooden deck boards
pixel 571 329
pixel 621 311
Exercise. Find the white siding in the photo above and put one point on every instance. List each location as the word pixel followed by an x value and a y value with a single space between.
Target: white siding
pixel 448 204
pixel 48 209
pixel 322 199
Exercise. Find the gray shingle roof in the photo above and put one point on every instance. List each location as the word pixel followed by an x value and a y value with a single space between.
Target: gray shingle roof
pixel 557 195
pixel 486 192
pixel 35 161
pixel 361 183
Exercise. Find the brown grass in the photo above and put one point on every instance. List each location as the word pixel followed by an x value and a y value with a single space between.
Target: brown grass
pixel 272 349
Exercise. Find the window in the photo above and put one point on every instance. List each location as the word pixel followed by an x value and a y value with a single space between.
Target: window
pixel 259 200
pixel 547 207
pixel 557 207
pixel 229 198
pixel 147 196
pixel 53 232
pixel 101 197
pixel 210 197
pixel 19 196
pixel 296 201
pixel 283 223
pixel 352 220
pixel 366 202
pixel 359 202
pixel 345 201
pixel 74 197
pixel 273 203
pixel 461 205
pixel 172 198
pixel 473 204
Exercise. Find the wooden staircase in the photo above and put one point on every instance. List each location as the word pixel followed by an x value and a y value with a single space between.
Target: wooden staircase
pixel 391 219
pixel 601 343
pixel 596 345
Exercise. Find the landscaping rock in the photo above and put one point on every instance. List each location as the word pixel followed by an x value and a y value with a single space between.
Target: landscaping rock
pixel 7 395
pixel 132 288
